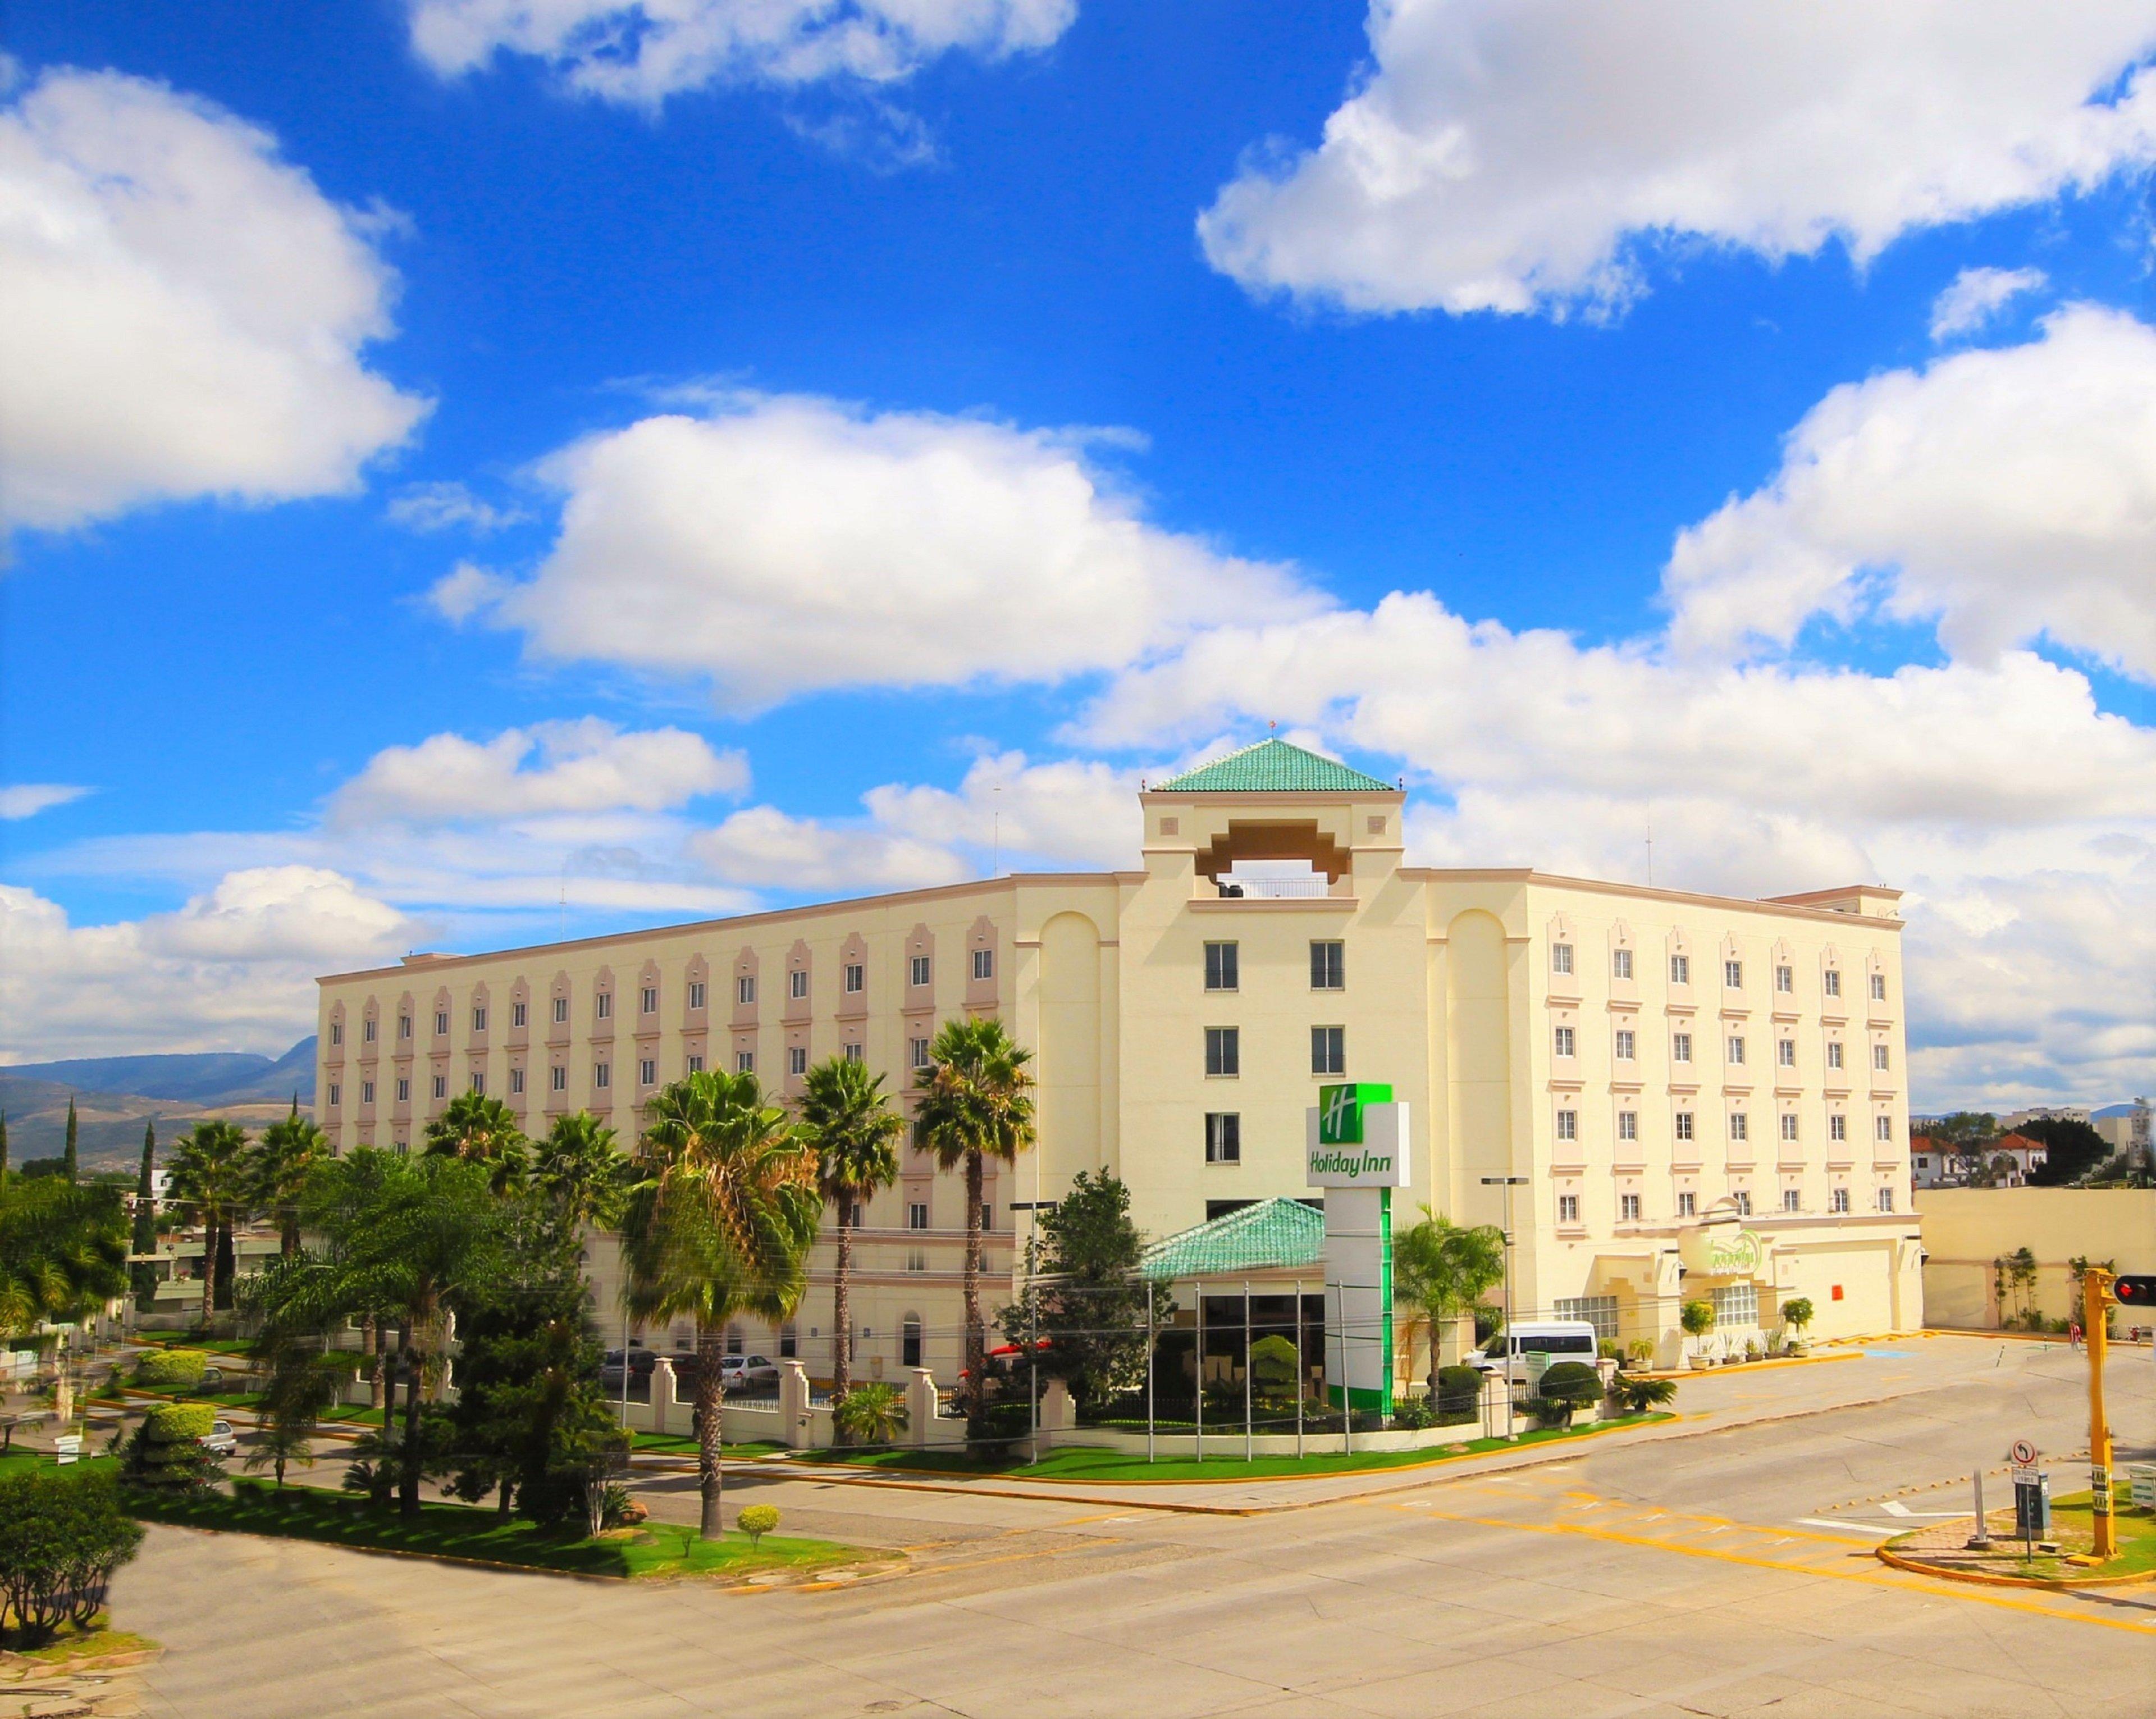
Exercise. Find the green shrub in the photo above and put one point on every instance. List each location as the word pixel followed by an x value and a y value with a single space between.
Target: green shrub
pixel 1697 1317
pixel 171 1368
pixel 871 1414
pixel 1273 1366
pixel 1459 1394
pixel 1551 1411
pixel 1637 1396
pixel 166 1452
pixel 1412 1414
pixel 1641 1351
pixel 62 1536
pixel 1574 1382
pixel 757 1520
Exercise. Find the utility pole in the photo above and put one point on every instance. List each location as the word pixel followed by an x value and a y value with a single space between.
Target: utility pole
pixel 1508 1183
pixel 2096 1302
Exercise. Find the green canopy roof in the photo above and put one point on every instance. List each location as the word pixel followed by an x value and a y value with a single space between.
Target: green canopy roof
pixel 1273 767
pixel 1264 1236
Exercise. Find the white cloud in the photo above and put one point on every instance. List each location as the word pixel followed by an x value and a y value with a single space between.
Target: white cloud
pixel 26 799
pixel 763 847
pixel 548 770
pixel 785 545
pixel 1509 155
pixel 642 51
pixel 234 968
pixel 1975 295
pixel 2008 493
pixel 449 507
pixel 181 314
pixel 466 590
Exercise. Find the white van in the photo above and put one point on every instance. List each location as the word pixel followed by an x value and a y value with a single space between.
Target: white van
pixel 1560 1338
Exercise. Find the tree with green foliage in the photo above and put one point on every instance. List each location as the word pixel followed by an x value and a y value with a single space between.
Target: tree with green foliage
pixel 303 1387
pixel 1965 1131
pixel 208 1176
pixel 63 1252
pixel 871 1414
pixel 580 1174
pixel 484 1130
pixel 62 1533
pixel 72 1166
pixel 755 1520
pixel 165 1453
pixel 1797 1313
pixel 720 1224
pixel 1566 1388
pixel 973 1103
pixel 1698 1318
pixel 2072 1148
pixel 847 1118
pixel 1084 1295
pixel 145 1237
pixel 1441 1270
pixel 283 1159
pixel 4 1149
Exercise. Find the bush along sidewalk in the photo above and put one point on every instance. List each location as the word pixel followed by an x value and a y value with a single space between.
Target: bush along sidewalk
pixel 62 1535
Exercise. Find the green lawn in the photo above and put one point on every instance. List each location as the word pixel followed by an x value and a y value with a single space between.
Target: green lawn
pixel 656 1549
pixel 17 1459
pixel 680 1444
pixel 1074 1462
pixel 2072 1527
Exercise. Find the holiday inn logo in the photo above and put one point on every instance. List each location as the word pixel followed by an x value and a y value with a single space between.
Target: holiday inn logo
pixel 1340 1111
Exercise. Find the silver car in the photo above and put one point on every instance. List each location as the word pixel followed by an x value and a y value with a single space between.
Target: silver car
pixel 221 1440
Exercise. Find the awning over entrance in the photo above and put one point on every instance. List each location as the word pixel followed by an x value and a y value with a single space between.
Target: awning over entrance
pixel 1271 1235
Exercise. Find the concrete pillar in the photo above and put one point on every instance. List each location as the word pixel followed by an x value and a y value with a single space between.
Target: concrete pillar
pixel 1494 1386
pixel 920 1405
pixel 664 1395
pixel 1058 1414
pixel 794 1405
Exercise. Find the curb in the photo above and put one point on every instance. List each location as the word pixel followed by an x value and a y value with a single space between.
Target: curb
pixel 1918 1566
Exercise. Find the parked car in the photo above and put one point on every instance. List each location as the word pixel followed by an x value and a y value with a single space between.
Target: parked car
pixel 747 1372
pixel 641 1361
pixel 1560 1338
pixel 221 1440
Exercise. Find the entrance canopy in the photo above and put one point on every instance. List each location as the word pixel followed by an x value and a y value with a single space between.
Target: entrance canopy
pixel 1272 1235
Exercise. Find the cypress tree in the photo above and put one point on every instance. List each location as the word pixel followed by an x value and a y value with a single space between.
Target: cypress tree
pixel 4 1148
pixel 67 1158
pixel 145 1221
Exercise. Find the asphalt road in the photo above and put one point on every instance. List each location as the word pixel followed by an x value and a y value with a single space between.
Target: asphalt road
pixel 1723 1567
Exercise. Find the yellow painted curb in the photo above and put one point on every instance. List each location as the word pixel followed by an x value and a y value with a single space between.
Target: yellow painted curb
pixel 1751 1366
pixel 1916 1567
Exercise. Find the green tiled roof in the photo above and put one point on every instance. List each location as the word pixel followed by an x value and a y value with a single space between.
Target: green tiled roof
pixel 1272 1233
pixel 1273 767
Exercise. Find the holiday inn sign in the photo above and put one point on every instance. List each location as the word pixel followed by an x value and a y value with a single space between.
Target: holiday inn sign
pixel 1358 1140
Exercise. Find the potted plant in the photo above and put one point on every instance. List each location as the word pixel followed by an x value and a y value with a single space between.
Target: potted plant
pixel 1698 1318
pixel 1796 1315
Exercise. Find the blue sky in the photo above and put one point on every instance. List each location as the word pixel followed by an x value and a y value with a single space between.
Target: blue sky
pixel 467 480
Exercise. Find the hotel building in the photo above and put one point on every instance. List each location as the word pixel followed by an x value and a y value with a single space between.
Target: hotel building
pixel 1654 1063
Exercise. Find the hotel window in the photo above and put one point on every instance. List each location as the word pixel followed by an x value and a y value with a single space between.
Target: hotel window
pixel 1680 1047
pixel 336 1032
pixel 854 979
pixel 853 1052
pixel 1833 982
pixel 1791 1200
pixel 403 1089
pixel 1328 966
pixel 478 1082
pixel 916 1214
pixel 1743 1198
pixel 1220 967
pixel 561 1011
pixel 1684 1124
pixel 479 1019
pixel 797 1060
pixel 1785 1053
pixel 1628 1208
pixel 1834 1053
pixel 1733 974
pixel 517 1014
pixel 366 1092
pixel 441 1086
pixel 695 1065
pixel 744 1061
pixel 916 1259
pixel 1328 1050
pixel 441 1023
pixel 918 973
pixel 695 993
pixel 1879 1057
pixel 1620 963
pixel 1224 1137
pixel 650 1000
pixel 647 1071
pixel 1886 1199
pixel 1878 987
pixel 1687 1204
pixel 1224 1051
pixel 988 1216
pixel 916 1052
pixel 557 1079
pixel 1679 970
pixel 1738 1304
pixel 1736 1051
pixel 1560 958
pixel 1599 1311
pixel 1789 1127
pixel 1882 1130
pixel 366 1032
pixel 797 983
pixel 1838 1201
pixel 1568 1124
pixel 603 1075
pixel 1837 1128
pixel 1627 1045
pixel 1785 979
pixel 1564 1042
pixel 602 1006
pixel 516 1083
pixel 404 1027
pixel 1740 1125
pixel 984 964
pixel 337 1096
pixel 1628 1125
pixel 744 989
pixel 1568 1208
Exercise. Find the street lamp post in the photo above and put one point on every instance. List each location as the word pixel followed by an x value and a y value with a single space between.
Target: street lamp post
pixel 1508 1183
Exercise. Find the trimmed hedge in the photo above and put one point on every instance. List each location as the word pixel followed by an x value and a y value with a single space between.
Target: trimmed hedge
pixel 166 1452
pixel 172 1423
pixel 180 1367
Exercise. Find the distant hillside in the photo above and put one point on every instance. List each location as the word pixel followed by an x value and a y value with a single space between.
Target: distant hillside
pixel 173 1092
pixel 200 1077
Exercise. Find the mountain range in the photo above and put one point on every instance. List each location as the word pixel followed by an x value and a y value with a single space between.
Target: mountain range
pixel 116 1096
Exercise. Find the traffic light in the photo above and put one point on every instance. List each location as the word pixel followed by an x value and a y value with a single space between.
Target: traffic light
pixel 2135 1290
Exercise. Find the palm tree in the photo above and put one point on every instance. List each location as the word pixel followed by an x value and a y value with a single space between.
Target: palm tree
pixel 580 1173
pixel 1441 1270
pixel 849 1121
pixel 720 1224
pixel 482 1130
pixel 974 1105
pixel 63 1252
pixel 283 1158
pixel 209 1171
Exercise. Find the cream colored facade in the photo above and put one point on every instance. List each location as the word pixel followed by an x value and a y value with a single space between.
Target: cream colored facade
pixel 1966 1230
pixel 1582 1034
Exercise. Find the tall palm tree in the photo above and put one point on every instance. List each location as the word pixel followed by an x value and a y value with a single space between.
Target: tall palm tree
pixel 482 1130
pixel 63 1251
pixel 580 1172
pixel 720 1224
pixel 974 1104
pixel 847 1117
pixel 209 1171
pixel 1441 1270
pixel 283 1158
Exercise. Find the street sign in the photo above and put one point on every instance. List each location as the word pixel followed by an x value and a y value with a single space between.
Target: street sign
pixel 2022 1454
